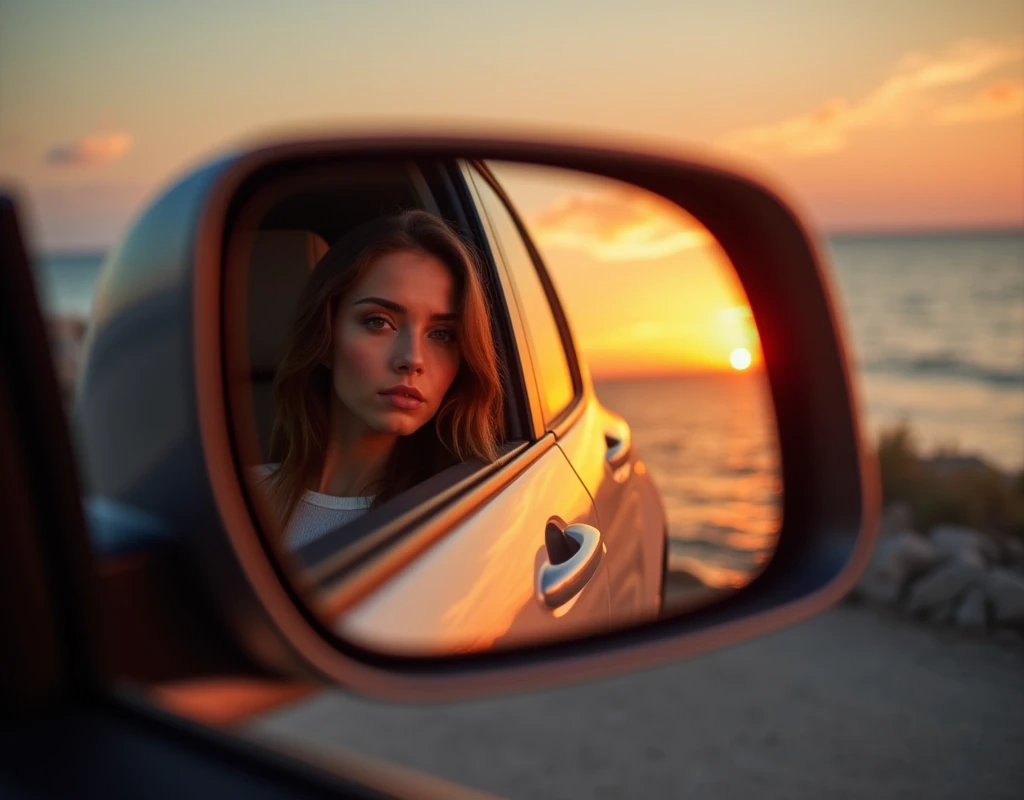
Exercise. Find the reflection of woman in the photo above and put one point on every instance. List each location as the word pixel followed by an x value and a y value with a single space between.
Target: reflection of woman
pixel 391 333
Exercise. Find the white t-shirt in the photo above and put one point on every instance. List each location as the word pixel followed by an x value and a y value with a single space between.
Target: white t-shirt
pixel 316 513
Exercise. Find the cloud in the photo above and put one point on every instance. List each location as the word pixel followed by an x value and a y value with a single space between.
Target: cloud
pixel 908 94
pixel 998 101
pixel 618 225
pixel 97 148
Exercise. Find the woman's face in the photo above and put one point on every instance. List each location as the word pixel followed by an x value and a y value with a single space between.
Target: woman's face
pixel 395 349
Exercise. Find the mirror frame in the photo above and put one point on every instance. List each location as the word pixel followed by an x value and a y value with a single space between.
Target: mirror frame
pixel 165 282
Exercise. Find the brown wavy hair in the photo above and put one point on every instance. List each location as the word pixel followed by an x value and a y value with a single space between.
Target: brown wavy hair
pixel 468 423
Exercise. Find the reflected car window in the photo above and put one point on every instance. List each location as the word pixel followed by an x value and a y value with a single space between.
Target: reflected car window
pixel 546 346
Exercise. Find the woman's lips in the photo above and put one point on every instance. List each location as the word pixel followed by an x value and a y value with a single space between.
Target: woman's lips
pixel 402 400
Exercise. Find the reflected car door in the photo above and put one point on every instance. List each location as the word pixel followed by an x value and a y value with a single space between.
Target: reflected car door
pixel 595 440
pixel 477 587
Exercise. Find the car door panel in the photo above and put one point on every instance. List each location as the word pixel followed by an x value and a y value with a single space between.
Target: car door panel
pixel 477 587
pixel 628 508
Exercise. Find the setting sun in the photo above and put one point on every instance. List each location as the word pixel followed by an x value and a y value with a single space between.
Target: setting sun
pixel 647 288
pixel 740 358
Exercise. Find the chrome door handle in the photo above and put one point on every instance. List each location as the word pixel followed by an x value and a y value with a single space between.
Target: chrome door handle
pixel 618 441
pixel 557 584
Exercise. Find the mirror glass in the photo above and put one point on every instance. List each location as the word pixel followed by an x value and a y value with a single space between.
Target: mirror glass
pixel 487 405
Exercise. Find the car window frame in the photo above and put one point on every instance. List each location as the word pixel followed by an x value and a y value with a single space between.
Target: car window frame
pixel 518 381
pixel 567 416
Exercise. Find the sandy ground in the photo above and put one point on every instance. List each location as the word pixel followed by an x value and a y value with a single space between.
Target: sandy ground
pixel 852 703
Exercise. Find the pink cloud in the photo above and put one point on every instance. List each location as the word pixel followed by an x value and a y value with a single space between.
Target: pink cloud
pixel 97 148
pixel 618 225
pixel 1001 100
pixel 909 93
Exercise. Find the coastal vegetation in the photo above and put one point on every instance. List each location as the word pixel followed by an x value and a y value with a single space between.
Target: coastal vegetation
pixel 949 486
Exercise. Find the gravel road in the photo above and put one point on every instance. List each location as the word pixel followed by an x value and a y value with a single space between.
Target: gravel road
pixel 852 703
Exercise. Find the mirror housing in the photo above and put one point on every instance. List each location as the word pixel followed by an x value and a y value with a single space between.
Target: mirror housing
pixel 151 414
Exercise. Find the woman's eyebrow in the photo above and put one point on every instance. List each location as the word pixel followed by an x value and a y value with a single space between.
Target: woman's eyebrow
pixel 398 308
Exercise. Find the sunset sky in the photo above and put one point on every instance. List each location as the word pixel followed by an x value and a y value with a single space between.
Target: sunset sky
pixel 868 114
pixel 871 113
pixel 646 287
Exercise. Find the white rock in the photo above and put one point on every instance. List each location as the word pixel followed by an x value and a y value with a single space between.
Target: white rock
pixel 896 560
pixel 943 585
pixel 954 541
pixel 973 610
pixel 1005 590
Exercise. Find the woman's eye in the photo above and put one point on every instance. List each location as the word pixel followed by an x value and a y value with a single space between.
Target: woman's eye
pixel 376 323
pixel 443 335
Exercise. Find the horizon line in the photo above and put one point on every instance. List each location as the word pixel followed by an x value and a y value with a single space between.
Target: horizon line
pixel 855 232
pixel 598 376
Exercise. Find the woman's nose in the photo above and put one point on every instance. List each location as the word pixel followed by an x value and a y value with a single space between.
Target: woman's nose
pixel 408 355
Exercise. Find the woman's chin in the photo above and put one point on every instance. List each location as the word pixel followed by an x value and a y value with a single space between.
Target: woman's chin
pixel 398 424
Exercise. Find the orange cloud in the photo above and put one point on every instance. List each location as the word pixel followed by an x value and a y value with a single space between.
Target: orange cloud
pixel 1001 100
pixel 908 94
pixel 97 148
pixel 619 224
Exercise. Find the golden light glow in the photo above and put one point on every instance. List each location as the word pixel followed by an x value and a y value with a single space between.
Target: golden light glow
pixel 740 358
pixel 647 289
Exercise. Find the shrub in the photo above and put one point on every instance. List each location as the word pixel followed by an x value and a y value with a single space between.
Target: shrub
pixel 949 486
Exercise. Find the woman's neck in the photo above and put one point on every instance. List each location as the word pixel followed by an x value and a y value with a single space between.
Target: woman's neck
pixel 353 461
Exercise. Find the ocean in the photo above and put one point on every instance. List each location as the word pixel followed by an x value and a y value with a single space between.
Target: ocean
pixel 936 327
pixel 710 444
pixel 67 282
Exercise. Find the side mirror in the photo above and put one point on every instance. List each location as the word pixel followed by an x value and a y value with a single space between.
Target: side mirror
pixel 442 415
